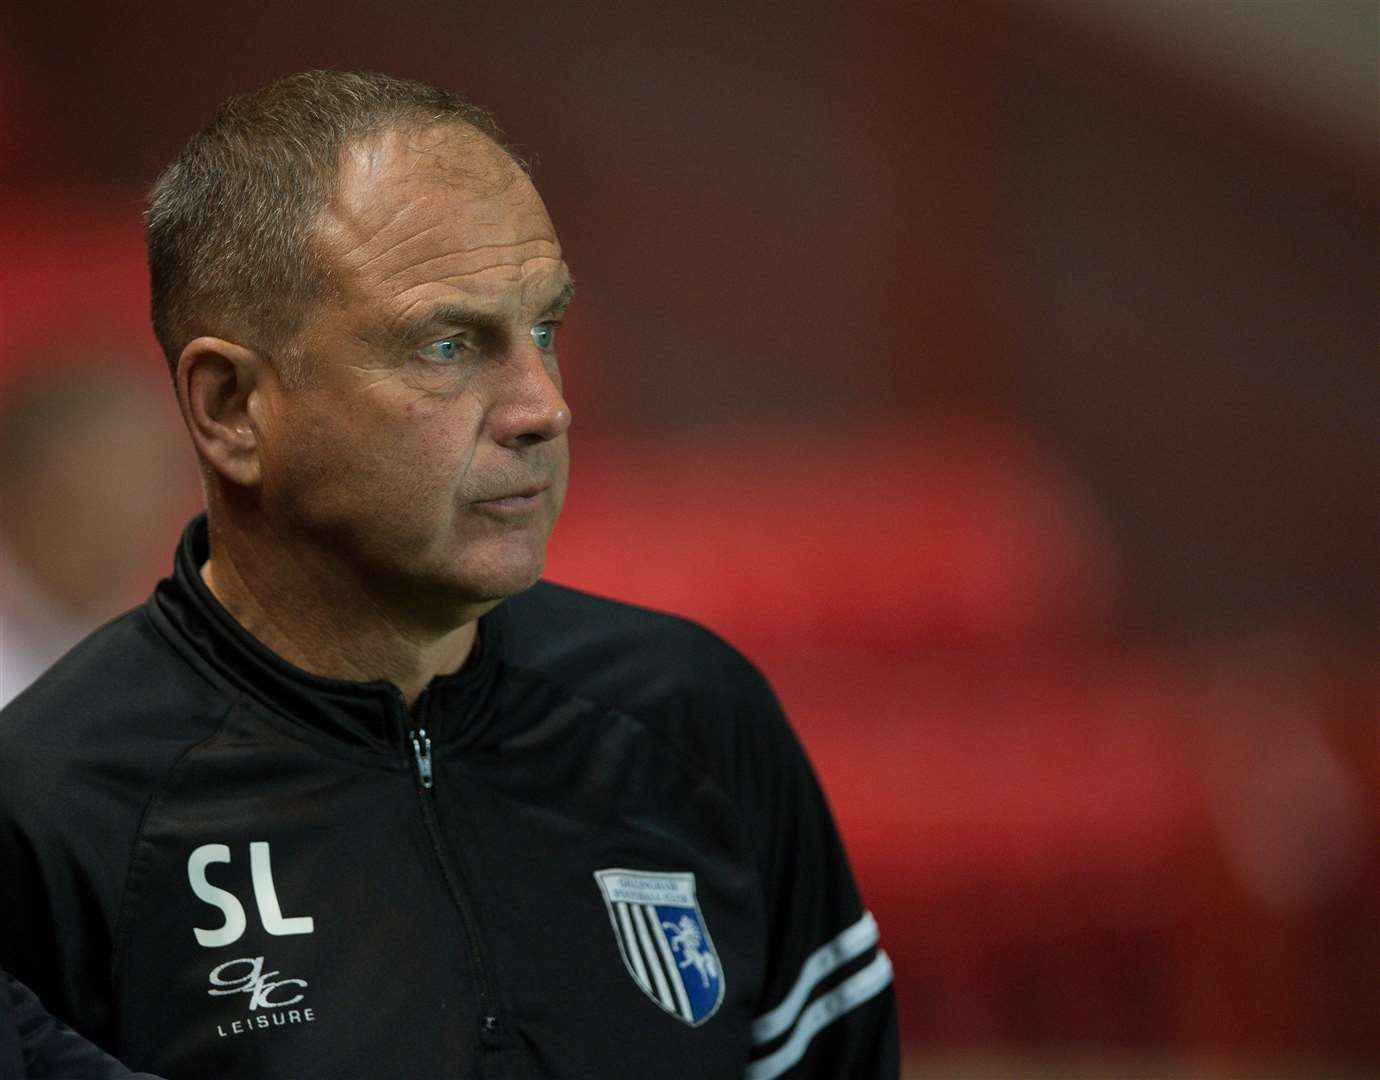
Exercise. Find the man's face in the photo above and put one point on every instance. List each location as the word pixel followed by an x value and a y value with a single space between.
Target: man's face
pixel 425 447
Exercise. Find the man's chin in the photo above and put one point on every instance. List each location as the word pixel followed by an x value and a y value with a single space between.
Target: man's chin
pixel 447 589
pixel 501 573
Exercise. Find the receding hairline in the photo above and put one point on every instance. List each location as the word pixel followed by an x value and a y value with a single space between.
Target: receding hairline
pixel 377 150
pixel 486 168
pixel 231 220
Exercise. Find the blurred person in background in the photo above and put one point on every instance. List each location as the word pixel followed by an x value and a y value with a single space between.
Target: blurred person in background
pixel 353 794
pixel 89 477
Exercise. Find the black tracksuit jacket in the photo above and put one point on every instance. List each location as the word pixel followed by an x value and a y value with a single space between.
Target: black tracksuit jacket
pixel 596 851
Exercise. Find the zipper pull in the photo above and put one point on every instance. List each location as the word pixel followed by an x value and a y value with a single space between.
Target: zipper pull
pixel 421 751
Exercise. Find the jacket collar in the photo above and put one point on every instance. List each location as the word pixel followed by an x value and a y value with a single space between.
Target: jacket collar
pixel 457 710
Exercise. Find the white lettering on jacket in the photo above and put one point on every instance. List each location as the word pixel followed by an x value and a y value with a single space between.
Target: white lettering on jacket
pixel 265 896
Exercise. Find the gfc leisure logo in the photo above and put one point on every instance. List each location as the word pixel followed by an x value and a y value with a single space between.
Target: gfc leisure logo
pixel 271 999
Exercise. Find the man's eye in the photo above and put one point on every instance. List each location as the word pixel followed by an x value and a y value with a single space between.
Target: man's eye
pixel 544 334
pixel 445 351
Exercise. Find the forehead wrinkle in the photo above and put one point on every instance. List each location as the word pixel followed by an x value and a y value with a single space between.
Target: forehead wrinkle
pixel 343 234
pixel 511 271
pixel 378 171
pixel 395 245
pixel 425 312
pixel 419 267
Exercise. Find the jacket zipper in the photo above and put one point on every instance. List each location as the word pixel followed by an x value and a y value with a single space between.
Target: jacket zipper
pixel 489 1027
pixel 421 750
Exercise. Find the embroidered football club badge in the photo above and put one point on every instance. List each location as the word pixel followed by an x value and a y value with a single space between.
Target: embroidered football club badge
pixel 664 940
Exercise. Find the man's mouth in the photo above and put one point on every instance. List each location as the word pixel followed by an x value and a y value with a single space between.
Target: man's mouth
pixel 515 501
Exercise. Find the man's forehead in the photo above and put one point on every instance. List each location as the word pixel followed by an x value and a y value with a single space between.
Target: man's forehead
pixel 404 190
pixel 451 156
pixel 418 213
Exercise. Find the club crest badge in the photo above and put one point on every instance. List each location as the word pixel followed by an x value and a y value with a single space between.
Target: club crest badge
pixel 665 943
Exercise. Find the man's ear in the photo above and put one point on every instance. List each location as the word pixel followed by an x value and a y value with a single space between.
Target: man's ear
pixel 220 386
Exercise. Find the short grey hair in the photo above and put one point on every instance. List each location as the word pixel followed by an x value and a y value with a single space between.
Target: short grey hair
pixel 230 221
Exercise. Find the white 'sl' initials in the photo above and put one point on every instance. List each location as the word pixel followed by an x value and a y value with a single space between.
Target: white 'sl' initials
pixel 265 896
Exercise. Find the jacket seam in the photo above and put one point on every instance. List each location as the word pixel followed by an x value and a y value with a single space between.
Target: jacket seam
pixel 686 761
pixel 123 918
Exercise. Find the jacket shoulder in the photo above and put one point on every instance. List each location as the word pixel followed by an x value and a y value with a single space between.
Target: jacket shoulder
pixel 685 685
pixel 625 655
pixel 126 667
pixel 117 710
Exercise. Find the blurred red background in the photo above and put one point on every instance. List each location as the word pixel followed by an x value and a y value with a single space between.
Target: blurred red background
pixel 1000 376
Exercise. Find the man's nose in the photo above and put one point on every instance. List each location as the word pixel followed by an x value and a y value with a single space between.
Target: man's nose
pixel 530 407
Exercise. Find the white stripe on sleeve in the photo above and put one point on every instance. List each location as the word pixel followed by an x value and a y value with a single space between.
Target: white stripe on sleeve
pixel 849 994
pixel 831 956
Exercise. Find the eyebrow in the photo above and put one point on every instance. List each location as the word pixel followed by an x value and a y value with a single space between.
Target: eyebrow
pixel 458 315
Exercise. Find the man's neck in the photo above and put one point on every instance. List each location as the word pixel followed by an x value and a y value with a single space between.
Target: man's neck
pixel 312 619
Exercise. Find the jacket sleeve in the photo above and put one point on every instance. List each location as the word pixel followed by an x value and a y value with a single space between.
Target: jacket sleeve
pixel 48 1047
pixel 56 907
pixel 827 1008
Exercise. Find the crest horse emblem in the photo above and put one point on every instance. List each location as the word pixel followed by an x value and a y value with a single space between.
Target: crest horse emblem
pixel 664 941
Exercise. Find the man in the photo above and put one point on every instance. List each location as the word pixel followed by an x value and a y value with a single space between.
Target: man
pixel 351 795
